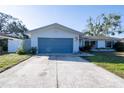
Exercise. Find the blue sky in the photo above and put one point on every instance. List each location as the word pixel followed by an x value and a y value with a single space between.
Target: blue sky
pixel 71 16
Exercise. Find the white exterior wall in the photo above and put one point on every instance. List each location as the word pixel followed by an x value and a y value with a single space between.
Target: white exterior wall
pixel 27 44
pixel 101 44
pixel 14 44
pixel 54 33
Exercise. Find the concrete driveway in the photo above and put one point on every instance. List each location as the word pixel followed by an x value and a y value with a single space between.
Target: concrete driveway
pixel 58 72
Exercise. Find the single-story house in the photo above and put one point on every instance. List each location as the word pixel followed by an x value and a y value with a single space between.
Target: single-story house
pixel 56 38
pixel 14 43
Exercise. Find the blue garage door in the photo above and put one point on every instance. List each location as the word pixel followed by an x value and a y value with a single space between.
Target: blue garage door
pixel 55 45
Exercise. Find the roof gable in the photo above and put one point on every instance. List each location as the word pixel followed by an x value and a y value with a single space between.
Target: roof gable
pixel 56 25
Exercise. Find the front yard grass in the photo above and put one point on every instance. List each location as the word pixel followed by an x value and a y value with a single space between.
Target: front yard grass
pixel 9 60
pixel 114 61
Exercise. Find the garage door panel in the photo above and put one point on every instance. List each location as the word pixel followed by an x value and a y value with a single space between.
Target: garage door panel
pixel 55 45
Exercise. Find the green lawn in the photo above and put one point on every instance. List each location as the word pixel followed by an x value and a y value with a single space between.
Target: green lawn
pixel 113 61
pixel 9 60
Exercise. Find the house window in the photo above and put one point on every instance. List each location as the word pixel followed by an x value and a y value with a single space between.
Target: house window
pixel 87 43
pixel 93 43
pixel 109 44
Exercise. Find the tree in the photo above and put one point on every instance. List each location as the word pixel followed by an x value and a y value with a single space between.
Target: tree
pixel 17 28
pixel 12 26
pixel 104 25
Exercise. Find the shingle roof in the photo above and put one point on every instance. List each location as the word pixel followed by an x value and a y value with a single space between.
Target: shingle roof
pixel 2 35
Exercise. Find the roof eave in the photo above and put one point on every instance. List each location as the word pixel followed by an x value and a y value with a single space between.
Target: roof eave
pixel 74 31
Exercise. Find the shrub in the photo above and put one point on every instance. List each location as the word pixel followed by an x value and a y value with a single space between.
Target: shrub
pixel 0 50
pixel 81 49
pixel 21 51
pixel 3 45
pixel 119 46
pixel 33 50
pixel 86 48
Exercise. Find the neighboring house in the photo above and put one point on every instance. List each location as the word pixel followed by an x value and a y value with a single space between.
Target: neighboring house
pixel 1 46
pixel 56 38
pixel 15 43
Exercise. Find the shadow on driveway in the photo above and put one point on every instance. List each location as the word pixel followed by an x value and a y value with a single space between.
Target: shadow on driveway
pixel 66 59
